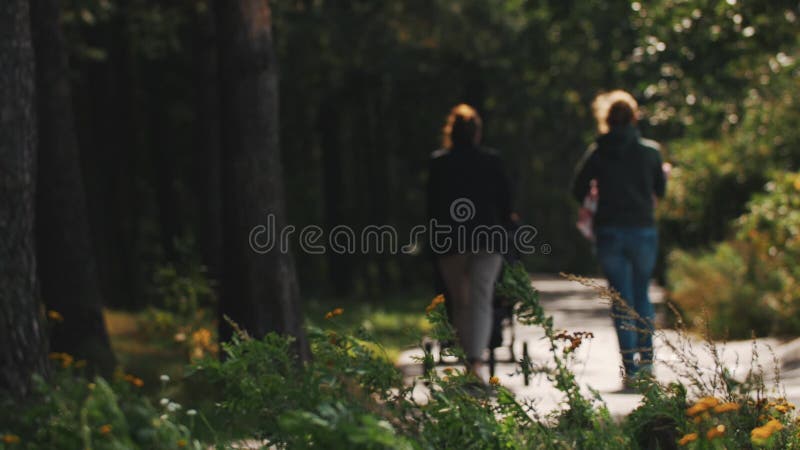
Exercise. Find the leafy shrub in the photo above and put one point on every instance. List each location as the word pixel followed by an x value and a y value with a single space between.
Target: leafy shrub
pixel 70 412
pixel 350 397
pixel 750 283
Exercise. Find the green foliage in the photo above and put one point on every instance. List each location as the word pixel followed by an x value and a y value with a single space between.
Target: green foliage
pixel 348 396
pixel 69 412
pixel 751 282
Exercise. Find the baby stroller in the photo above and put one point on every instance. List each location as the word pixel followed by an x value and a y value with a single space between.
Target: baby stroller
pixel 503 318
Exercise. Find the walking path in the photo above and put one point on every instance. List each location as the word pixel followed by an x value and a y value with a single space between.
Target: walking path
pixel 596 363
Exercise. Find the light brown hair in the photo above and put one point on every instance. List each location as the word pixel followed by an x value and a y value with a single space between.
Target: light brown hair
pixel 614 109
pixel 463 127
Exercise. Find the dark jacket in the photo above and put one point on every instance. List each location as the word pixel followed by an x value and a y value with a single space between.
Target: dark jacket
pixel 467 186
pixel 628 173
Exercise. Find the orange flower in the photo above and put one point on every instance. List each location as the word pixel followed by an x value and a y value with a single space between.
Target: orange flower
pixel 438 300
pixel 201 338
pixel 182 443
pixel 65 358
pixel 709 401
pixel 726 407
pixel 715 432
pixel 55 316
pixel 696 409
pixel 702 405
pixel 136 381
pixel 691 437
pixel 334 313
pixel 494 381
pixel 11 439
pixel 762 433
pixel 105 429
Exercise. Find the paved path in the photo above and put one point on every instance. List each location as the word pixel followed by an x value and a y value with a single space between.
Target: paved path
pixel 596 364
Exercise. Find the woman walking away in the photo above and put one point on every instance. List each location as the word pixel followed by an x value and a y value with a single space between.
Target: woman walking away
pixel 468 206
pixel 627 170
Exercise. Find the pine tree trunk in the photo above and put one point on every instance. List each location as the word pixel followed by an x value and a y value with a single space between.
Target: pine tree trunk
pixel 207 141
pixel 258 291
pixel 23 346
pixel 67 267
pixel 329 127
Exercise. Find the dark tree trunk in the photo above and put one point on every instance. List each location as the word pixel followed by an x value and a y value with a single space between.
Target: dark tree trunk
pixel 329 126
pixel 207 142
pixel 259 291
pixel 23 345
pixel 67 268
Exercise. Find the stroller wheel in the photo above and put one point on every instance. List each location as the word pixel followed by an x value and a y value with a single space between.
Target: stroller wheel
pixel 526 364
pixel 428 364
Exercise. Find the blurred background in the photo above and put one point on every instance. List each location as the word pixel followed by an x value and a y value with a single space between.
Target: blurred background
pixel 365 87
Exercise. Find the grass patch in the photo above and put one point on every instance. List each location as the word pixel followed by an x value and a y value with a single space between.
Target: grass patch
pixel 397 322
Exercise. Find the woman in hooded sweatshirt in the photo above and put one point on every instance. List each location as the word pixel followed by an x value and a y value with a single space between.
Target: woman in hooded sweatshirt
pixel 629 177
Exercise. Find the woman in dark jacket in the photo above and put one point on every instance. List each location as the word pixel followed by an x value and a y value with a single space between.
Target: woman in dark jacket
pixel 629 177
pixel 469 203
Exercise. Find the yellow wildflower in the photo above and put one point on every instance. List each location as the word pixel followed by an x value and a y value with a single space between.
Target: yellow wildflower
pixel 709 401
pixel 494 381
pixel 136 381
pixel 762 433
pixel 691 437
pixel 334 313
pixel 696 409
pixel 65 358
pixel 726 407
pixel 438 300
pixel 11 439
pixel 774 425
pixel 55 316
pixel 201 338
pixel 105 429
pixel 715 432
pixel 702 405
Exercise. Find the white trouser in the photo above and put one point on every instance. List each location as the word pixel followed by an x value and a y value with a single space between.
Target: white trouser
pixel 470 282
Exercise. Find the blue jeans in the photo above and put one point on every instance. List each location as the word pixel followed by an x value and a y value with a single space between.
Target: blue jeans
pixel 628 256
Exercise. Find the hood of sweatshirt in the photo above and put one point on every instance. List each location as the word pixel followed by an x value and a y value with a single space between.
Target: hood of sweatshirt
pixel 618 141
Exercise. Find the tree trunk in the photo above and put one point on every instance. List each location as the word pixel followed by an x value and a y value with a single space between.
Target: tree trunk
pixel 329 128
pixel 67 267
pixel 207 141
pixel 258 291
pixel 23 346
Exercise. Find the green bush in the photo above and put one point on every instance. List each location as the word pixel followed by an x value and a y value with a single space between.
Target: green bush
pixel 750 283
pixel 70 412
pixel 349 397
